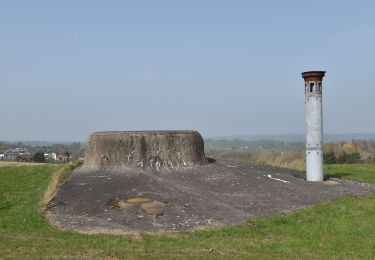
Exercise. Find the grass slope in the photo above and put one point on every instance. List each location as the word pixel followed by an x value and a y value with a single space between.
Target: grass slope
pixel 355 172
pixel 341 229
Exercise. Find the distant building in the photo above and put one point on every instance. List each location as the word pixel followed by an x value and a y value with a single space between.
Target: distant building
pixel 53 156
pixel 10 157
pixel 24 157
pixel 19 154
pixel 50 157
pixel 62 158
pixel 18 150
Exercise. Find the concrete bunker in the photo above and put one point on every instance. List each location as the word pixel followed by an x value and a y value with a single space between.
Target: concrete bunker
pixel 144 150
pixel 119 190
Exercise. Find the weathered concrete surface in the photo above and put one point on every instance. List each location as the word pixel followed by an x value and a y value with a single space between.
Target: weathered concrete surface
pixel 210 195
pixel 162 181
pixel 144 149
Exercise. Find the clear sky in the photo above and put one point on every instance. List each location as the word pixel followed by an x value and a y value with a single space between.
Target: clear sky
pixel 68 68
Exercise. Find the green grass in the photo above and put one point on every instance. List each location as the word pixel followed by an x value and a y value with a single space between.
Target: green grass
pixel 341 229
pixel 355 172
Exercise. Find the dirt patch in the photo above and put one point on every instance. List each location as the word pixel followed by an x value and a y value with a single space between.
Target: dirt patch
pixel 149 206
pixel 155 208
pixel 330 182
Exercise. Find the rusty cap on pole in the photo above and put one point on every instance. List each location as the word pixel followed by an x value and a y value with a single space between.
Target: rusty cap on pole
pixel 313 75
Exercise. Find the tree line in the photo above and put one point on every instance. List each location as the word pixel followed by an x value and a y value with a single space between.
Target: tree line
pixel 356 151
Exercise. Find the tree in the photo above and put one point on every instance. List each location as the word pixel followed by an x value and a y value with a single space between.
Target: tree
pixel 349 148
pixel 3 146
pixel 355 143
pixel 39 157
pixel 67 156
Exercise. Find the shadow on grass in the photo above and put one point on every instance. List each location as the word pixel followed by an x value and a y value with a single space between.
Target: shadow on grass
pixel 339 175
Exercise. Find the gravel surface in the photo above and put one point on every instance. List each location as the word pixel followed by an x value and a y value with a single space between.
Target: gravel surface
pixel 216 194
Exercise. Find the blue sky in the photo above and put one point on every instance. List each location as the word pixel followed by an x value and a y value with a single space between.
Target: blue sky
pixel 68 68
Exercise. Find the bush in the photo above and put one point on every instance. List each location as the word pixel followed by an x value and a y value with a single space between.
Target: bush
pixel 348 157
pixel 329 157
pixel 343 157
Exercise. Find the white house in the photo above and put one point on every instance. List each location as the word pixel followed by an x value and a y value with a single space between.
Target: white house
pixel 50 156
pixel 53 156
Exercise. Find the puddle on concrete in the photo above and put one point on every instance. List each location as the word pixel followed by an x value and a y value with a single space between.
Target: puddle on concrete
pixel 139 200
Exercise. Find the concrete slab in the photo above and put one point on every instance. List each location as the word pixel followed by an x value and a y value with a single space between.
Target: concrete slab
pixel 216 194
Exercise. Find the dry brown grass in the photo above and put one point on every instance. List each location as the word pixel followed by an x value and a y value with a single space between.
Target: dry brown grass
pixel 18 164
pixel 53 187
pixel 294 160
pixel 58 178
pixel 289 160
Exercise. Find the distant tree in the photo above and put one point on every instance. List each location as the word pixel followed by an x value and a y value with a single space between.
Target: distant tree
pixel 67 156
pixel 39 157
pixel 3 146
pixel 75 150
pixel 353 158
pixel 365 146
pixel 371 145
pixel 329 157
pixel 349 148
pixel 349 157
pixel 58 148
pixel 355 143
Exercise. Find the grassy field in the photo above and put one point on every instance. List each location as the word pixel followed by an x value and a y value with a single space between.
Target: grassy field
pixel 355 172
pixel 341 229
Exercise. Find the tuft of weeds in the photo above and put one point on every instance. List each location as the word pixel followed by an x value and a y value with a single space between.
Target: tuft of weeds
pixel 57 179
